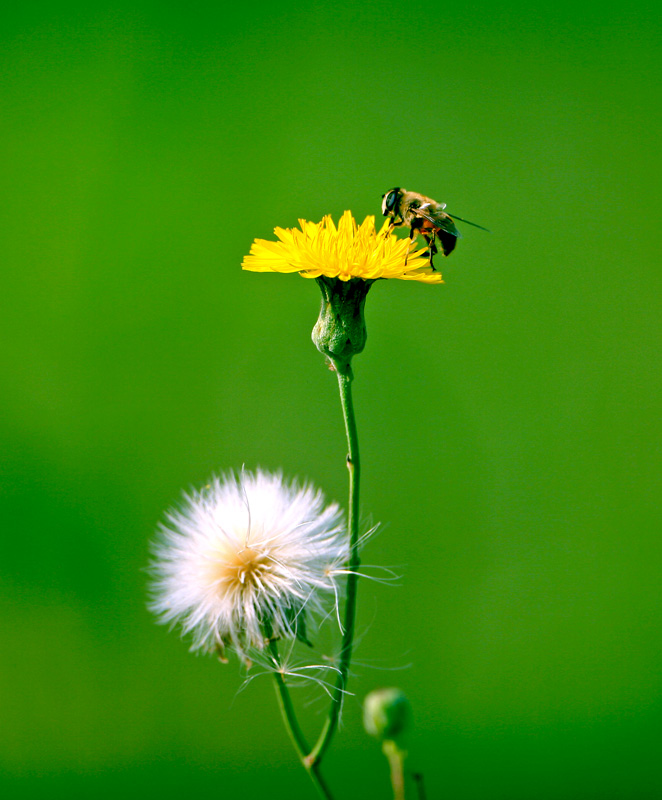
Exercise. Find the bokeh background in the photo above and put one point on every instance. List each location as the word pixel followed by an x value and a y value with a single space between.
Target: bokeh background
pixel 509 419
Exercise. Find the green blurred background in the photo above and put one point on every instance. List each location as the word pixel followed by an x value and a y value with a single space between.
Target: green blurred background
pixel 509 419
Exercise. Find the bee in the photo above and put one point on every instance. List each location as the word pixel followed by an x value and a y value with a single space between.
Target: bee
pixel 423 215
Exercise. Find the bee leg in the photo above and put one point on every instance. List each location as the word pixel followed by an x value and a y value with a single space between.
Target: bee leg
pixel 412 235
pixel 433 251
pixel 432 248
pixel 393 224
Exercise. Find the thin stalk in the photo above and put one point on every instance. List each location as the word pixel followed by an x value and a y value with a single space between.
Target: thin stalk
pixel 293 728
pixel 287 707
pixel 420 786
pixel 396 760
pixel 354 468
pixel 312 761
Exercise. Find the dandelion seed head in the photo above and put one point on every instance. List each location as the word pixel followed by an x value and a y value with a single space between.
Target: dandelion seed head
pixel 249 555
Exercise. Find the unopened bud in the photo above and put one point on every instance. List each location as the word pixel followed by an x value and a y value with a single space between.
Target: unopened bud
pixel 386 713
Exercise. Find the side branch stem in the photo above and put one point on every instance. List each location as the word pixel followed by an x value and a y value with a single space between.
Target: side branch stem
pixel 354 468
pixel 292 725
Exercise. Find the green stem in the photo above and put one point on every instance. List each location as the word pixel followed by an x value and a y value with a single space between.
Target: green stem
pixel 396 760
pixel 292 725
pixel 287 707
pixel 354 467
pixel 313 760
pixel 420 786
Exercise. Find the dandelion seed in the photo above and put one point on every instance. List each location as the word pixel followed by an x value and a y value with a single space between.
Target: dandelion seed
pixel 248 557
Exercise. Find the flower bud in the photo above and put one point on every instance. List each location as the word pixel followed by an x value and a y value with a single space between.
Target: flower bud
pixel 386 713
pixel 340 331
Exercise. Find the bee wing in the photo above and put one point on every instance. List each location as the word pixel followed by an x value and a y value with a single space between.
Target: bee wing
pixel 454 216
pixel 444 227
pixel 439 219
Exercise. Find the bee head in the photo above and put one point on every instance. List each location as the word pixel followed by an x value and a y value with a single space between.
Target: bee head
pixel 391 201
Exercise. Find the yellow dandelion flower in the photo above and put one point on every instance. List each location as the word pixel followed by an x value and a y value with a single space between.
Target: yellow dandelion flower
pixel 345 252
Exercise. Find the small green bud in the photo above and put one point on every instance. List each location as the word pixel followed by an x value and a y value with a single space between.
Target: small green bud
pixel 340 331
pixel 386 713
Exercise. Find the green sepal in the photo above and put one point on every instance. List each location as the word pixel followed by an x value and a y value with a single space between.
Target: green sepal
pixel 340 330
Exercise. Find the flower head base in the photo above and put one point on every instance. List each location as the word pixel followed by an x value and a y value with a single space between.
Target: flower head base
pixel 340 331
pixel 247 558
pixel 345 252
